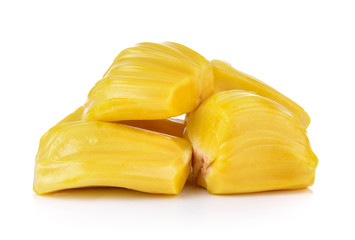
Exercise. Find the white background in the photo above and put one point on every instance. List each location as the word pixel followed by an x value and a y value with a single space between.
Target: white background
pixel 52 53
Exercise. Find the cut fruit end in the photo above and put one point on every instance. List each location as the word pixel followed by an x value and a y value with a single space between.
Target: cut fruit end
pixel 182 105
pixel 201 163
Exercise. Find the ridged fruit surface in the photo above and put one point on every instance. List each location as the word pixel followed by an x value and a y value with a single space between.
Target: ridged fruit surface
pixel 228 78
pixel 247 143
pixel 84 154
pixel 151 81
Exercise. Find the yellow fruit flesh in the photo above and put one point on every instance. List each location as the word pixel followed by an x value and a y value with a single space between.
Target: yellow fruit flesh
pixel 242 142
pixel 170 126
pixel 77 115
pixel 151 81
pixel 84 154
pixel 228 78
pixel 247 143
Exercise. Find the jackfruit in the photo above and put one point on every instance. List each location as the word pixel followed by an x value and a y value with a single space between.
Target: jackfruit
pixel 77 115
pixel 151 81
pixel 170 126
pixel 247 137
pixel 244 142
pixel 228 78
pixel 84 154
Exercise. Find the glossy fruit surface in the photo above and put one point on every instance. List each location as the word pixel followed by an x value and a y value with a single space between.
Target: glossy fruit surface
pixel 247 143
pixel 151 81
pixel 228 78
pixel 85 154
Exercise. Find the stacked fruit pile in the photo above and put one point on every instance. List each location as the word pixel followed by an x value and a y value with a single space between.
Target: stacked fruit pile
pixel 239 135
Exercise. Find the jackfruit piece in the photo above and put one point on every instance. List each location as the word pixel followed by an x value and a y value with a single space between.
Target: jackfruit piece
pixel 151 81
pixel 77 115
pixel 243 143
pixel 86 154
pixel 170 126
pixel 228 78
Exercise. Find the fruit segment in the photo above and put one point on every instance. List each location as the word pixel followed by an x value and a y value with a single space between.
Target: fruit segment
pixel 151 81
pixel 77 115
pixel 85 154
pixel 228 78
pixel 243 142
pixel 170 126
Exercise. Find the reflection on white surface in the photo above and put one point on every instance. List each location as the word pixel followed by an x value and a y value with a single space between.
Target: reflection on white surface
pixel 193 206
